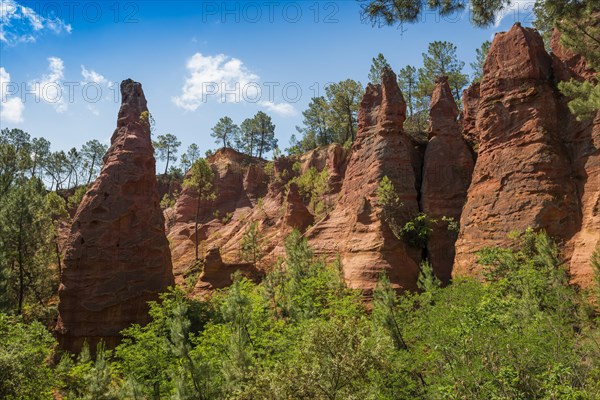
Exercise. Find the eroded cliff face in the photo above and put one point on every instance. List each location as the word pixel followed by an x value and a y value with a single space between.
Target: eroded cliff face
pixel 355 229
pixel 515 158
pixel 117 255
pixel 248 191
pixel 350 226
pixel 582 139
pixel 536 167
pixel 447 170
pixel 522 175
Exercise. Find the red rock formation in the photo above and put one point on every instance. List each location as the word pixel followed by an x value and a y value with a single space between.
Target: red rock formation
pixel 216 274
pixel 333 158
pixel 117 258
pixel 470 101
pixel 522 174
pixel 239 179
pixel 583 140
pixel 297 215
pixel 447 173
pixel 536 167
pixel 355 229
pixel 245 194
pixel 567 64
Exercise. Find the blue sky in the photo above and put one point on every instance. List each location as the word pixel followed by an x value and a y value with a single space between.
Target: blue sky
pixel 273 49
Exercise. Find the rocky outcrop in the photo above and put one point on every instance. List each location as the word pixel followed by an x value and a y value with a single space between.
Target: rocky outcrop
pixel 239 180
pixel 248 191
pixel 355 230
pixel 447 173
pixel 567 64
pixel 583 142
pixel 117 256
pixel 536 167
pixel 468 118
pixel 333 158
pixel 217 275
pixel 522 177
pixel 297 215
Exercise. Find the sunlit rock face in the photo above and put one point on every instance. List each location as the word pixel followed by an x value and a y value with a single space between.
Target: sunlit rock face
pixel 117 256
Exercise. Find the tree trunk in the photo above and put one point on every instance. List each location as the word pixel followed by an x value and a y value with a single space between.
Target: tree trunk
pixel 196 227
pixel 168 157
pixel 156 390
pixel 34 166
pixel 91 170
pixel 20 261
pixel 350 127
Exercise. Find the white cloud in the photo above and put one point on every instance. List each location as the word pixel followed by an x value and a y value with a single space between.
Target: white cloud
pixel 284 109
pixel 93 77
pixel 217 77
pixel 50 87
pixel 11 108
pixel 21 24
pixel 516 11
pixel 103 85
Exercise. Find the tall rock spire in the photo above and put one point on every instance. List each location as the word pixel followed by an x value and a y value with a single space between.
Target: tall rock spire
pixel 522 177
pixel 355 230
pixel 447 170
pixel 117 257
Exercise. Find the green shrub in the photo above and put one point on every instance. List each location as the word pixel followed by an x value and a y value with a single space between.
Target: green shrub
pixel 416 231
pixel 24 353
pixel 312 186
pixel 75 199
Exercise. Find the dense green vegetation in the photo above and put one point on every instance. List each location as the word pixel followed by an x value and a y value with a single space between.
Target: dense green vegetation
pixel 332 118
pixel 254 137
pixel 523 333
pixel 30 216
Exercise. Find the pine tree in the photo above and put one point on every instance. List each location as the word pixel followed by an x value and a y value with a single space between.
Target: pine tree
pixel 92 153
pixel 317 129
pixel 237 311
pixel 252 244
pixel 407 81
pixel 166 148
pixel 265 133
pixel 225 131
pixel 26 246
pixel 481 55
pixel 441 60
pixel 377 65
pixel 201 181
pixel 344 99
pixel 385 312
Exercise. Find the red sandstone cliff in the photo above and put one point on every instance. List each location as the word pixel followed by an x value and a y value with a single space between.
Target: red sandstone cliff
pixel 523 176
pixel 351 227
pixel 117 256
pixel 247 191
pixel 447 170
pixel 355 229
pixel 536 166
pixel 583 142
